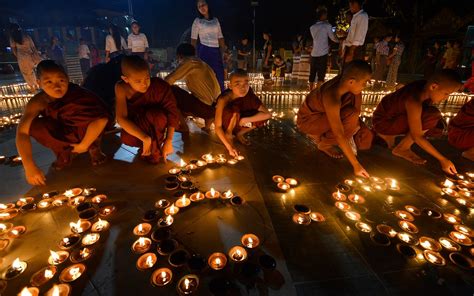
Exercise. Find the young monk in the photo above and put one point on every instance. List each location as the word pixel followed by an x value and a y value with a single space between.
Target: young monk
pixel 408 112
pixel 146 110
pixel 238 112
pixel 461 130
pixel 330 115
pixel 200 80
pixel 72 120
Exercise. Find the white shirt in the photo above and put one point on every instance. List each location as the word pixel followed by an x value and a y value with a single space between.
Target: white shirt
pixel 84 52
pixel 138 43
pixel 358 29
pixel 110 44
pixel 208 31
pixel 321 31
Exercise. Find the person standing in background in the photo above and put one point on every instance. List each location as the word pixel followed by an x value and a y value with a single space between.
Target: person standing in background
pixel 298 45
pixel 56 52
pixel 243 53
pixel 95 55
pixel 267 57
pixel 394 60
pixel 137 42
pixel 84 57
pixel 114 43
pixel 25 51
pixel 382 51
pixel 353 45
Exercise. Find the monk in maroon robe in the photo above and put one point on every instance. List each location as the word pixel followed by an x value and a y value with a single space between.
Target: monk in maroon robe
pixel 408 112
pixel 71 122
pixel 330 115
pixel 461 130
pixel 146 110
pixel 238 112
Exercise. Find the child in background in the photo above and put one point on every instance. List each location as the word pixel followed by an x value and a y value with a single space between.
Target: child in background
pixel 243 53
pixel 279 69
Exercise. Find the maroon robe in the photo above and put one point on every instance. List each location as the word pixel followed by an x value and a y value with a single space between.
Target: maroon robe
pixel 241 107
pixel 390 116
pixel 461 128
pixel 190 105
pixel 65 121
pixel 313 121
pixel 152 111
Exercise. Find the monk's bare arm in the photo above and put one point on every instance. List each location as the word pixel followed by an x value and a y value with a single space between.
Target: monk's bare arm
pixel 263 114
pixel 94 129
pixel 122 113
pixel 221 103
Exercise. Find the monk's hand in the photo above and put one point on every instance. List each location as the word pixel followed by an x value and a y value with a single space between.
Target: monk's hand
pixel 233 152
pixel 79 148
pixel 243 122
pixel 167 149
pixel 360 171
pixel 448 167
pixel 146 146
pixel 35 176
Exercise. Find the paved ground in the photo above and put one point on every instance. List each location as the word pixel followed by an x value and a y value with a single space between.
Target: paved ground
pixel 328 258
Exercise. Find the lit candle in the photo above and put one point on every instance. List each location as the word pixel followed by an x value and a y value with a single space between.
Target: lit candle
pixel 404 215
pixel 142 229
pixel 237 254
pixel 293 182
pixel 100 225
pixel 217 261
pixel 430 244
pixel 278 179
pixel 363 227
pixel 141 245
pixel 99 198
pixel 80 226
pixel 29 291
pixel 106 211
pixel 72 273
pixel 450 192
pixel 188 284
pixel 211 194
pixel 317 217
pixel 301 219
pixel 464 230
pixel 161 277
pixel 407 238
pixel 356 198
pixel 227 195
pixel 146 261
pixel 408 227
pixel 59 290
pixel 44 204
pixel 452 219
pixel 434 258
pixel 449 244
pixel 90 239
pixel 166 221
pixel 16 231
pixel 183 202
pixel 342 206
pixel 392 183
pixel 339 196
pixel 387 230
pixel 283 186
pixel 354 216
pixel 250 241
pixel 16 268
pixel 197 196
pixel 172 210
pixel 349 182
pixel 460 238
pixel 57 258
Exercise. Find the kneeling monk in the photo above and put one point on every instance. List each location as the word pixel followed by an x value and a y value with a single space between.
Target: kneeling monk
pixel 238 111
pixel 330 115
pixel 72 119
pixel 461 130
pixel 408 112
pixel 146 110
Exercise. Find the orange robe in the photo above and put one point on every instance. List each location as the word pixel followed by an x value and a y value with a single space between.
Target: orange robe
pixel 152 112
pixel 461 127
pixel 313 121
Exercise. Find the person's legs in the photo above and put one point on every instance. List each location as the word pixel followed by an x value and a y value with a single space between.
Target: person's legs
pixel 321 68
pixel 312 73
pixel 190 105
pixel 85 66
pixel 212 56
pixel 462 139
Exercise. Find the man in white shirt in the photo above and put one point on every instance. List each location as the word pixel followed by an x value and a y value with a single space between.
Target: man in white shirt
pixel 353 45
pixel 321 32
pixel 84 57
pixel 137 42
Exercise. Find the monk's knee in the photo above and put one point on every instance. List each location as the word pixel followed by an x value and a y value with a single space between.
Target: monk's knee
pixel 430 117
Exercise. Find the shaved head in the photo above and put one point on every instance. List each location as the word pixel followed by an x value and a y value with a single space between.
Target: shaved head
pixel 133 64
pixel 447 78
pixel 357 70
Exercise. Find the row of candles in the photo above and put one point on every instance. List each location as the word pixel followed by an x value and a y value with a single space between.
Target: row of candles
pixel 73 198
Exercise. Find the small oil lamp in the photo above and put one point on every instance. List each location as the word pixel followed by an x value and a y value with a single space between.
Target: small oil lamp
pixel 293 182
pixel 460 238
pixel 452 219
pixel 182 178
pixel 392 184
pixel 107 211
pixel 146 261
pixel 342 206
pixel 161 277
pixel 69 241
pixel 404 215
pixel 217 261
pixel 431 213
pixel 283 186
pixel 339 196
pixel 387 230
pixel 448 184
pixel 42 276
pixel 362 181
pixel 72 192
pixel 5 227
pixel 317 217
pixel 351 215
pixel 240 157
pixel 237 254
pixel 301 219
pixel 141 245
pixel 90 239
pixel 250 241
pixel 430 244
pixel 16 231
pixel 174 171
pixel 59 290
pixel 227 195
pixel 172 210
pixel 45 203
pixel 165 221
pixel 363 227
pixel 201 163
pixel 142 229
pixel 232 161
pixel 72 273
pixel 366 188
pixel 343 188
pixel 29 291
pixel 434 258
pixel 464 229
pixel 278 179
pixel 191 167
pixel 188 285
pixel 15 269
pixel 379 187
pixel 81 255
pixel 221 160
pixel 208 158
pixel 350 182
pixel 89 191
pixel 212 194
pixel 58 257
pixel 356 198
pixel 6 206
pixel 407 238
pixel 407 250
pixel 183 202
pixel 60 201
pixel 449 245
pixel 99 198
pixel 24 200
pixel 197 196
pixel 100 225
pixel 162 203
pixel 450 192
pixel 413 210
pixel 377 180
pixel 408 226
pixel 77 200
pixel 80 226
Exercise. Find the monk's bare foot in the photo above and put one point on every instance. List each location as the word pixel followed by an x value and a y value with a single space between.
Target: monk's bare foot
pixel 243 140
pixel 62 161
pixel 331 151
pixel 97 156
pixel 389 140
pixel 469 154
pixel 409 155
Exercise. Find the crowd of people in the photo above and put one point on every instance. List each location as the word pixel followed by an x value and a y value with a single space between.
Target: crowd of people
pixel 70 119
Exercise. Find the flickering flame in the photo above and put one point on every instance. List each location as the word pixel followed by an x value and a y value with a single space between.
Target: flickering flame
pixel 54 256
pixel 140 228
pixel 141 241
pixel 169 219
pixel 25 292
pixel 16 265
pixel 228 193
pixel 15 232
pixel 338 194
pixel 69 193
pixel 4 214
pixel 459 236
pixel 356 198
pixel 182 163
pixel 149 261
pixel 392 232
pixel 3 206
pixel 452 219
pixel 84 253
pixel 426 244
pixel 100 224
pixel 432 258
pixel 405 237
pixel 55 291
pixel 2 227
pixel 164 276
pixel 183 199
pixel 48 274
pixel 250 241
pixel 446 243
pixel 218 262
pixel 300 220
pixel 75 272
pixel 213 192
pixel 186 284
pixel 173 209
pixel 448 183
pixel 393 183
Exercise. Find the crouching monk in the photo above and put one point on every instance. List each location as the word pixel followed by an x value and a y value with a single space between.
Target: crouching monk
pixel 461 130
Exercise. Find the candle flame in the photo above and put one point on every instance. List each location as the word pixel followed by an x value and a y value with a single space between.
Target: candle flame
pixel 425 244
pixel 213 192
pixel 186 284
pixel 459 236
pixel 54 256
pixel 393 183
pixel 3 206
pixel 164 276
pixel 55 291
pixel 432 257
pixel 149 261
pixel 338 194
pixel 228 193
pixel 250 241
pixel 405 237
pixel 140 228
pixel 218 262
pixel 48 274
pixel 448 183
pixel 169 219
pixel 84 252
pixel 15 232
pixel 17 264
pixel 75 272
pixel 4 214
pixel 25 292
pixel 182 163
pixel 183 199
pixel 141 241
pixel 69 193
